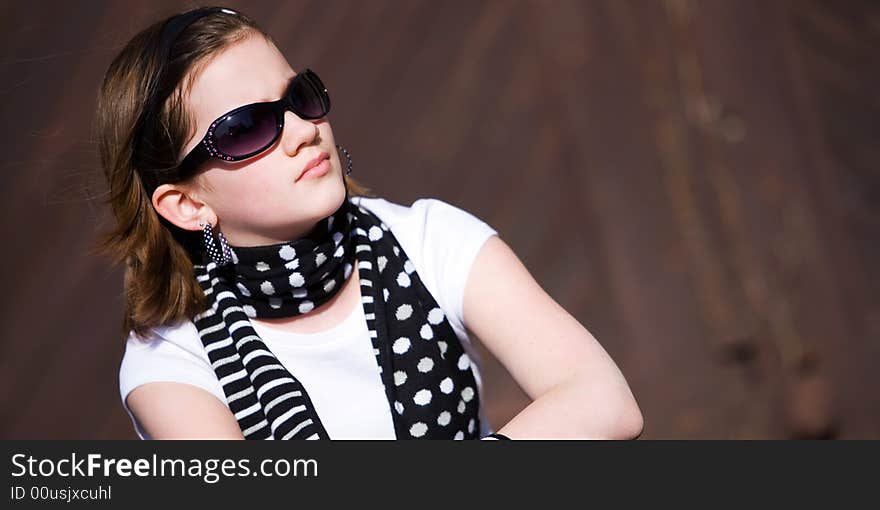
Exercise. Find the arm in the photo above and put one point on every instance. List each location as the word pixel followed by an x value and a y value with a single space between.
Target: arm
pixel 577 390
pixel 170 410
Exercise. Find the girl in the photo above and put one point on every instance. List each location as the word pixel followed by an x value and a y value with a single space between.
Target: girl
pixel 269 295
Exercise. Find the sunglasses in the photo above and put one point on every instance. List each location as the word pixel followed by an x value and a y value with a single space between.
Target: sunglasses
pixel 251 129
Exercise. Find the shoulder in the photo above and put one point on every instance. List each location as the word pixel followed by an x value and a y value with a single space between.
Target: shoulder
pixel 166 354
pixel 442 240
pixel 427 217
pixel 171 353
pixel 178 341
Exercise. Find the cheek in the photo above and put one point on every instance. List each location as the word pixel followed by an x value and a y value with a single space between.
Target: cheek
pixel 236 192
pixel 250 190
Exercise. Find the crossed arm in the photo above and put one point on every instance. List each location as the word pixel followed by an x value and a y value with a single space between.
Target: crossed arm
pixel 577 390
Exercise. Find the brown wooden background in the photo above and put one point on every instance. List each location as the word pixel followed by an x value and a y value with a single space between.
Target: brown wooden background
pixel 695 181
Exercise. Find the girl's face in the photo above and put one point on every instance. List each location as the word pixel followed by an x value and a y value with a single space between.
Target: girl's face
pixel 257 201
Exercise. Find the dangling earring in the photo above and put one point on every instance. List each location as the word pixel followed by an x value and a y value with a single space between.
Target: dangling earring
pixel 222 255
pixel 348 156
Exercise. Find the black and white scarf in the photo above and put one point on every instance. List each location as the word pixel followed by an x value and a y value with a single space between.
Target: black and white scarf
pixel 428 378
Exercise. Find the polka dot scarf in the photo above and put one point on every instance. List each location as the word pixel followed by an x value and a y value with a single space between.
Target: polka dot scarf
pixel 428 378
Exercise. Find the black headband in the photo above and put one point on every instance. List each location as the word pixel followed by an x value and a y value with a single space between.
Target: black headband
pixel 155 96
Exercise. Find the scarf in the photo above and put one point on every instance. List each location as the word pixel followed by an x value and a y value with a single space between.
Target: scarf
pixel 428 378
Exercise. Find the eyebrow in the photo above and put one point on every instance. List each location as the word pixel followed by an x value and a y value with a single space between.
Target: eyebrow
pixel 287 84
pixel 263 100
pixel 283 90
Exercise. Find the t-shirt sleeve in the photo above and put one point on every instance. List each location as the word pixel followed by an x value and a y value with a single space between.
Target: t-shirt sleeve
pixel 157 359
pixel 452 239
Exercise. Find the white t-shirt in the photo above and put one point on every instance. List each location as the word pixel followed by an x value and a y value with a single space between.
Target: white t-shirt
pixel 337 366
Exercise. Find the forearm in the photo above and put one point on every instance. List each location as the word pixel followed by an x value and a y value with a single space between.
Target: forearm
pixel 579 409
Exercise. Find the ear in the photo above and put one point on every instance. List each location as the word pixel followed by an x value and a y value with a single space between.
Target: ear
pixel 182 207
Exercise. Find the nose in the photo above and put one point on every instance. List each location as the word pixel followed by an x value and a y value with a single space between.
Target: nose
pixel 297 132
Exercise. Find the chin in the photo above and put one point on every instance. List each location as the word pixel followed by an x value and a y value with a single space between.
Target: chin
pixel 329 196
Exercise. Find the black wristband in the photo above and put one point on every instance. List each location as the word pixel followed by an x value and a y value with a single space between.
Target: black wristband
pixel 496 435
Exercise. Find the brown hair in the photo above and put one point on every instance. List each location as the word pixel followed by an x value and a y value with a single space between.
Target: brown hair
pixel 159 285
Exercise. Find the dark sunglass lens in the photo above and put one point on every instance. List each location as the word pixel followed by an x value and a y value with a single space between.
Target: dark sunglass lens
pixel 247 131
pixel 308 96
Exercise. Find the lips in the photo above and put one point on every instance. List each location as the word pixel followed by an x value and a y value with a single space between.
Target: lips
pixel 313 163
